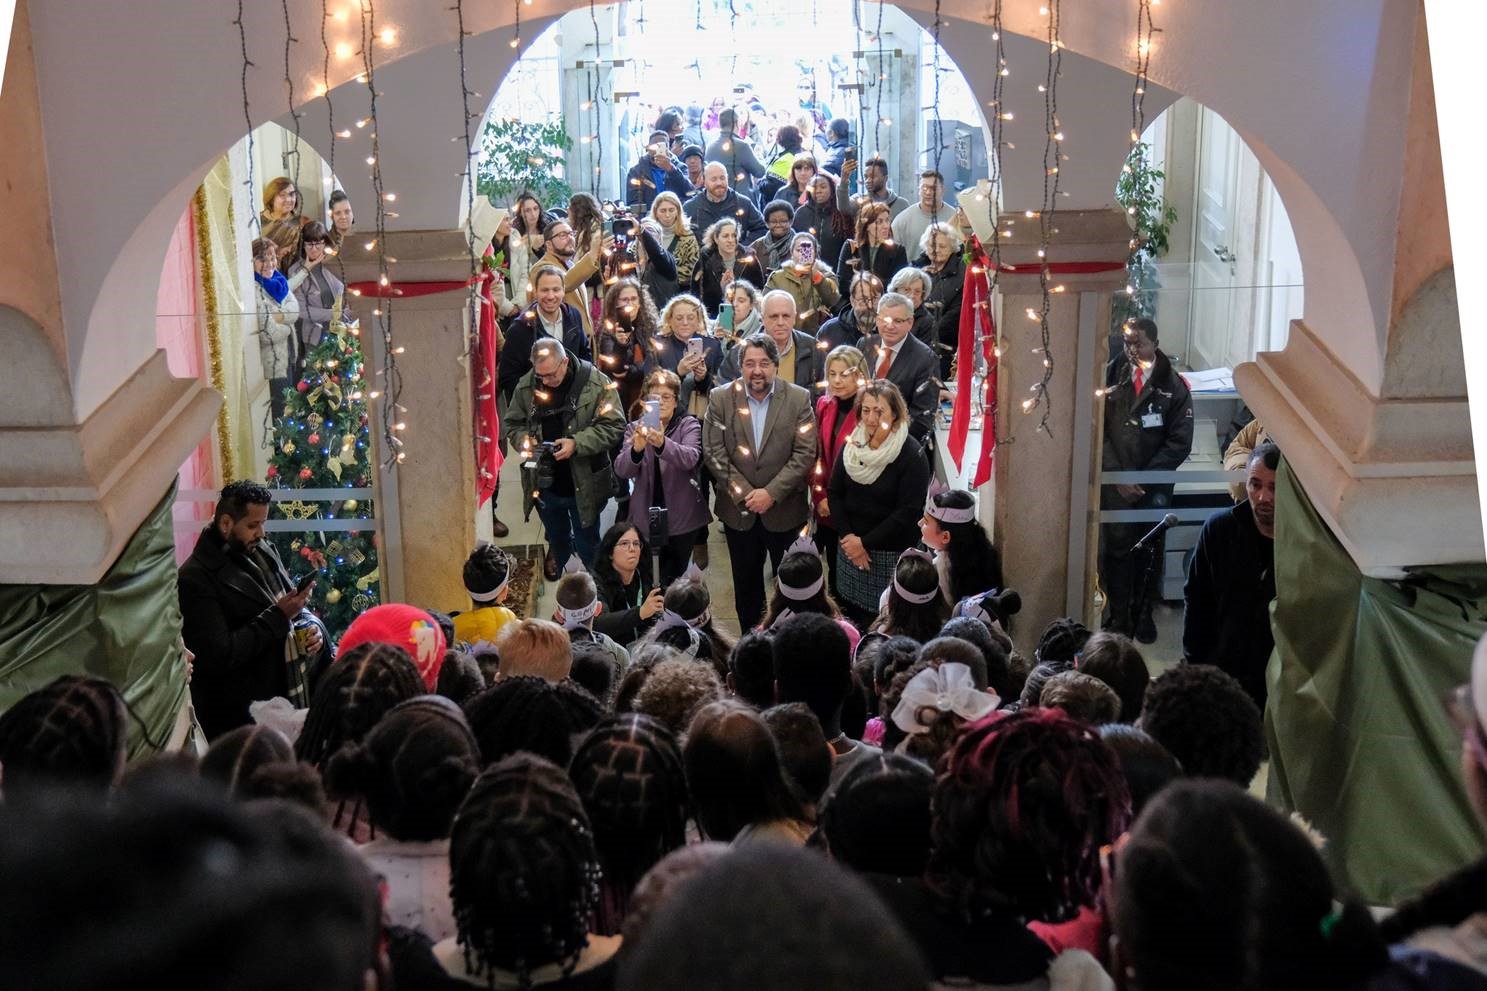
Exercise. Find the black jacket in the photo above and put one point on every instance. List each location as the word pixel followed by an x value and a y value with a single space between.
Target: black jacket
pixel 841 329
pixel 946 287
pixel 659 277
pixel 816 220
pixel 913 371
pixel 810 360
pixel 886 513
pixel 526 327
pixel 229 621
pixel 702 213
pixel 885 264
pixel 620 619
pixel 640 186
pixel 707 277
pixel 1231 582
pixel 1152 431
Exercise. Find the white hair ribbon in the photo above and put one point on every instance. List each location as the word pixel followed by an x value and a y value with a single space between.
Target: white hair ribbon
pixel 947 688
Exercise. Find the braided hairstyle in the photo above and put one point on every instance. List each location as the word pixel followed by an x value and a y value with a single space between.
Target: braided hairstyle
pixel 1217 891
pixel 628 773
pixel 356 690
pixel 524 874
pixel 70 730
pixel 1021 807
pixel 1061 642
pixel 258 762
pixel 530 713
pixel 414 768
pixel 877 821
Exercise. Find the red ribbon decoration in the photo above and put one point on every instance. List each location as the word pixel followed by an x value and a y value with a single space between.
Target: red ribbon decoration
pixel 975 317
pixel 487 424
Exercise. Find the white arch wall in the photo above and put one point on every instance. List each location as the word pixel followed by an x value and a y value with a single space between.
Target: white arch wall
pixel 1319 89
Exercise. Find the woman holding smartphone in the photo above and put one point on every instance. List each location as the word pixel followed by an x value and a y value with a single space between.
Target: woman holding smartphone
pixel 723 260
pixel 683 349
pixel 810 281
pixel 746 317
pixel 660 454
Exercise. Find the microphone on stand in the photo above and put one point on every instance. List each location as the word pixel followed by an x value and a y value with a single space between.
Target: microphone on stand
pixel 1168 522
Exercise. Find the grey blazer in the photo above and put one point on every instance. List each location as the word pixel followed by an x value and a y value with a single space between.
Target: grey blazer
pixel 914 372
pixel 780 466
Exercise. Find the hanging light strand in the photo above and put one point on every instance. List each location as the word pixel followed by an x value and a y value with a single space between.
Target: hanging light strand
pixel 289 41
pixel 516 25
pixel 882 78
pixel 392 381
pixel 330 110
pixel 938 128
pixel 1052 159
pixel 595 98
pixel 997 88
pixel 253 222
pixel 1144 32
pixel 468 174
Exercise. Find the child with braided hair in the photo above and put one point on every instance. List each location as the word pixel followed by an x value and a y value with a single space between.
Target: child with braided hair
pixel 533 714
pixel 414 768
pixel 629 774
pixel 253 762
pixel 72 730
pixel 1021 807
pixel 525 882
pixel 356 690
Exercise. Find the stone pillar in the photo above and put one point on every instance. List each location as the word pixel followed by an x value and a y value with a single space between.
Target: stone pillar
pixel 1393 474
pixel 585 74
pixel 427 503
pixel 74 486
pixel 1047 481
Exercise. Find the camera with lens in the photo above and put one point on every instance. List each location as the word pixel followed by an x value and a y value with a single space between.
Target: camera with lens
pixel 546 465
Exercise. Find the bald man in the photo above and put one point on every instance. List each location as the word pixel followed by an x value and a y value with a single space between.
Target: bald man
pixel 718 201
pixel 799 359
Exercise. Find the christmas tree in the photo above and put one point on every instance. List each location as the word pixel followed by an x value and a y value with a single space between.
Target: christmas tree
pixel 322 443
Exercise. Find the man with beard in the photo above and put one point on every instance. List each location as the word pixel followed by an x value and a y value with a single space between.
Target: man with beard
pixel 239 608
pixel 797 357
pixel 562 252
pixel 875 186
pixel 718 202
pixel 1232 581
pixel 759 442
pixel 859 320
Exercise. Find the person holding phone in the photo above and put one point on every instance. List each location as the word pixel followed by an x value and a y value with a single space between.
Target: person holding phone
pixel 809 281
pixel 659 455
pixel 239 609
pixel 819 215
pixel 723 260
pixel 746 314
pixel 876 495
pixel 685 350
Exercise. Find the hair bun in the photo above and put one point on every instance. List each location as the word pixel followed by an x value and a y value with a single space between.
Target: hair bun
pixel 447 781
pixel 350 770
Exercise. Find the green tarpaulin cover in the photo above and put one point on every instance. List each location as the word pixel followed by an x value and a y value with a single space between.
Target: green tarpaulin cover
pixel 1360 742
pixel 127 628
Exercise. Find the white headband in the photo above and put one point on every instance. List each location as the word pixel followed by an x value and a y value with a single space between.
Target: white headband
pixel 948 514
pixel 803 545
pixel 673 620
pixel 495 593
pixel 917 598
pixel 574 619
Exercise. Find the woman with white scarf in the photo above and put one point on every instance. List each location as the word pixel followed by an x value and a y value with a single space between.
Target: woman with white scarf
pixel 875 496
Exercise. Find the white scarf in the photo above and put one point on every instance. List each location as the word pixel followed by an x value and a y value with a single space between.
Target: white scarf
pixel 863 463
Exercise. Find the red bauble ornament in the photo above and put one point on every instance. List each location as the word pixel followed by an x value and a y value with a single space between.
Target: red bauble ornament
pixel 304 552
pixel 304 474
pixel 272 472
pixel 313 438
pixel 303 386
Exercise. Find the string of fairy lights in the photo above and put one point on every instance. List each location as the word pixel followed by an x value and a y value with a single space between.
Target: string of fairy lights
pixel 1052 160
pixel 468 175
pixel 1144 32
pixel 994 162
pixel 294 115
pixel 254 224
pixel 324 87
pixel 938 129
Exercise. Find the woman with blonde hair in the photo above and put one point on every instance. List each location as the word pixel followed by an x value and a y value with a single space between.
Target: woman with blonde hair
pixel 876 495
pixel 661 462
pixel 685 349
pixel 723 260
pixel 676 234
pixel 836 419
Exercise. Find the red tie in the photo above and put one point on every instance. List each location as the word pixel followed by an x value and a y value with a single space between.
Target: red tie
pixel 1138 377
pixel 884 363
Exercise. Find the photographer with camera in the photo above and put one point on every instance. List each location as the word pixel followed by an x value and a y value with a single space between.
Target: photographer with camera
pixel 660 452
pixel 657 171
pixel 566 419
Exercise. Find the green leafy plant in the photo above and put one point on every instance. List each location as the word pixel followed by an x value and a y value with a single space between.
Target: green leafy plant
pixel 517 156
pixel 1136 190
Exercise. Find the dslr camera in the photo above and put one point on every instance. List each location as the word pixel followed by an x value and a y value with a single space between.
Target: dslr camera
pixel 546 465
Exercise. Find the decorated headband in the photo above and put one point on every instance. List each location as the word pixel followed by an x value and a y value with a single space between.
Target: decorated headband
pixel 917 598
pixel 579 616
pixel 802 593
pixel 493 594
pixel 671 620
pixel 693 573
pixel 947 688
pixel 992 607
pixel 947 514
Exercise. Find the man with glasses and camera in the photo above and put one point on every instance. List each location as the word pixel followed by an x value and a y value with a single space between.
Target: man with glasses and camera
pixel 565 418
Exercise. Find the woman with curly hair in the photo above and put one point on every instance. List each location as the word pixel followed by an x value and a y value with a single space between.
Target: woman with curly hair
pixel 723 260
pixel 628 325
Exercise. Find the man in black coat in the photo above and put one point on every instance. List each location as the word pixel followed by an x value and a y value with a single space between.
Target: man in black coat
pixel 895 354
pixel 238 605
pixel 1231 582
pixel 548 316
pixel 1148 427
pixel 719 201
pixel 656 172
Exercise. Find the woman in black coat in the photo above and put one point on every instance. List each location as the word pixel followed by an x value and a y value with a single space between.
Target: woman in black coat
pixel 872 250
pixel 819 216
pixel 722 261
pixel 947 272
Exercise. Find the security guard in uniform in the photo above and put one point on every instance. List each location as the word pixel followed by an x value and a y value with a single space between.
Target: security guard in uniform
pixel 1148 427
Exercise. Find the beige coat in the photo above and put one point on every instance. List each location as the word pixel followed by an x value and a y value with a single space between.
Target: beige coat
pixel 576 294
pixel 780 466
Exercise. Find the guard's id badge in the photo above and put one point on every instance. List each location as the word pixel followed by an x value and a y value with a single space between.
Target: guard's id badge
pixel 1151 420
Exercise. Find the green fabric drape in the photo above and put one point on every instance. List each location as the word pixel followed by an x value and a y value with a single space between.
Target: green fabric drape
pixel 1360 741
pixel 126 628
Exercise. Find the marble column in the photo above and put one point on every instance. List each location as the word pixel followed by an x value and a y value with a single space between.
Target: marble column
pixel 1046 479
pixel 426 503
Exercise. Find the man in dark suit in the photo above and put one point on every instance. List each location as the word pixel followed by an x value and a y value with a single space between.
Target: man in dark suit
pixel 894 354
pixel 238 607
pixel 759 442
pixel 548 316
pixel 800 359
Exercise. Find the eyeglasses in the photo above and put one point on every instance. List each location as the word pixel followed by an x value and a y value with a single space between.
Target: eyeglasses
pixel 631 544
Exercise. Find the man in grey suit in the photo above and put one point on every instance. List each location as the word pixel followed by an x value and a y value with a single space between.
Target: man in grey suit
pixel 906 361
pixel 759 442
pixel 799 358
